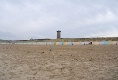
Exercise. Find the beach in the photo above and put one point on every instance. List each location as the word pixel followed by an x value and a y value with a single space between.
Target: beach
pixel 58 62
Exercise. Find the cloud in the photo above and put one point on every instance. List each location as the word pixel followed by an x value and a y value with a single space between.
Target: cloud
pixel 41 19
pixel 106 33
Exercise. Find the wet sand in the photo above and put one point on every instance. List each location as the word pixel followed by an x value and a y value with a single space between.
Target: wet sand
pixel 58 62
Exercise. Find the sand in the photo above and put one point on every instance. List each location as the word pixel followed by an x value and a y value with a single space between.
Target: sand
pixel 58 62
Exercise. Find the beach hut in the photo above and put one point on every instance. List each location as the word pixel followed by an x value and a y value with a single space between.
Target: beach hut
pixel 75 43
pixel 65 43
pixel 58 43
pixel 70 43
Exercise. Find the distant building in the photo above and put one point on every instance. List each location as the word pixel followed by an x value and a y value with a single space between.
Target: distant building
pixel 31 39
pixel 58 34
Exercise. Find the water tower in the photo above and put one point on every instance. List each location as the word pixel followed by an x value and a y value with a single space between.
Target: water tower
pixel 58 34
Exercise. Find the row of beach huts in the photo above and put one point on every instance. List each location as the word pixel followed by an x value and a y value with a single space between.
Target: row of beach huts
pixel 66 43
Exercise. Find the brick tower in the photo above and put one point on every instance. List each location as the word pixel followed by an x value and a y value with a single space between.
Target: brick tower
pixel 58 34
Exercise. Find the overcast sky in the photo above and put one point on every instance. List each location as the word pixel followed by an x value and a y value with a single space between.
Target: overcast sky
pixel 25 19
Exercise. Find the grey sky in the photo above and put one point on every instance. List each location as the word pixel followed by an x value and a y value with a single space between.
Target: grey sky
pixel 25 19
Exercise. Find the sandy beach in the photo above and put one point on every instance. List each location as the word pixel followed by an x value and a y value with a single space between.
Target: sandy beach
pixel 58 62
